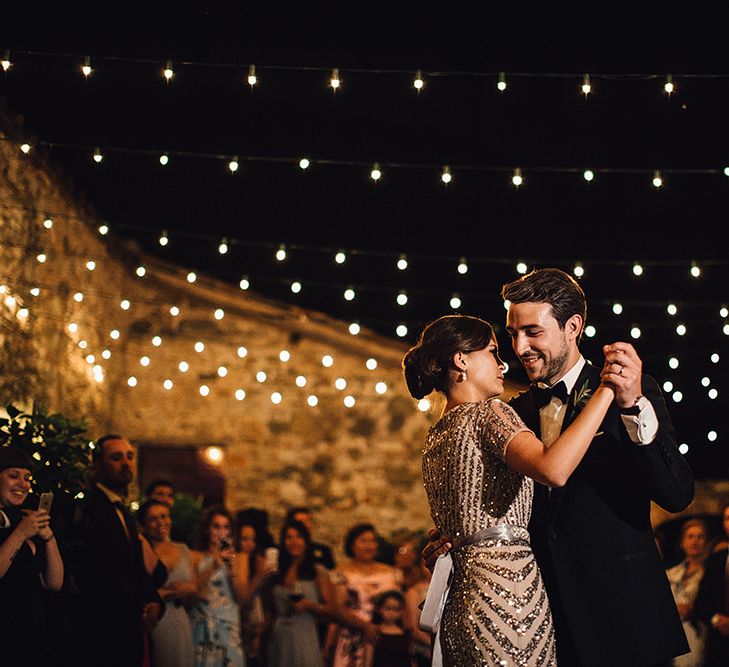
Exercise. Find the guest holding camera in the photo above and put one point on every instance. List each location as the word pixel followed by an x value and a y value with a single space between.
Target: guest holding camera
pixel 222 585
pixel 29 562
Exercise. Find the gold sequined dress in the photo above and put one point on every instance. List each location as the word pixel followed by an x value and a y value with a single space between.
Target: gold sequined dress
pixel 497 611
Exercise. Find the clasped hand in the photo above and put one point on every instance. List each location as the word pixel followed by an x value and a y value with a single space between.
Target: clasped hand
pixel 622 372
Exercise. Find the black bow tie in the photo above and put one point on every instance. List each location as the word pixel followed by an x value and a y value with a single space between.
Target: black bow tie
pixel 544 394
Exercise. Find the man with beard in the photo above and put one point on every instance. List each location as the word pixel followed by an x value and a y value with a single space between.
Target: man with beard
pixel 116 596
pixel 592 538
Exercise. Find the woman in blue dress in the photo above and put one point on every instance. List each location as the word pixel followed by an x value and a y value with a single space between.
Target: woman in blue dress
pixel 222 582
pixel 298 596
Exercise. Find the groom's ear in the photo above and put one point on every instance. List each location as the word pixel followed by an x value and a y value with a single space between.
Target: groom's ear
pixel 573 327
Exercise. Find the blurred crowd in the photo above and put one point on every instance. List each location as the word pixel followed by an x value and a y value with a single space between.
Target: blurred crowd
pixel 101 586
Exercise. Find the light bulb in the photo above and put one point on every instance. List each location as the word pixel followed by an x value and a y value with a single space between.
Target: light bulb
pixel 380 387
pixel 174 311
pixel 501 85
pixel 521 268
pixel 463 266
pixel 242 352
pixel 586 86
pixel 103 230
pixel 284 355
pixel 657 179
pixel 219 314
pixel 25 148
pixel 418 82
pixel 340 383
pixel 125 304
pixel 144 361
pixel 446 176
pixel 244 283
pixel 168 72
pixel 376 174
pixel 354 328
pixel 588 175
pixel 98 156
pixel 455 302
pixel 590 331
pixel 199 346
pixel 233 165
pixel 90 265
pixel 163 239
pixel 349 401
pixel 191 277
pixel 671 309
pixel 261 376
pixel 132 381
pixel 635 332
pixel 335 81
pixel 340 257
pixel 106 354
pixel 114 334
pixel 86 68
pixel 276 397
pixel 517 178
pixel 579 270
pixel 637 270
pixel 164 159
pixel 78 297
pixel 304 163
pixel 5 62
pixel 349 294
pixel 695 271
pixel 281 253
pixel 668 86
pixel 402 263
pixel 222 371
pixel 141 271
pixel 401 330
pixel 312 400
pixel 617 308
pixel 240 394
pixel 252 78
pixel 223 247
pixel 371 364
pixel 424 403
pixel 156 341
pixel 300 381
pixel 402 299
pixel 296 287
pixel 168 384
pixel 204 390
pixel 183 366
pixel 327 361
pixel 48 223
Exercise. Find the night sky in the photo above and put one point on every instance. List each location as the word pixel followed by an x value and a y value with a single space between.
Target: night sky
pixel 207 113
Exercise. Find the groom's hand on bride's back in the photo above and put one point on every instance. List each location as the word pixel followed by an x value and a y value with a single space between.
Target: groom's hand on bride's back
pixel 437 545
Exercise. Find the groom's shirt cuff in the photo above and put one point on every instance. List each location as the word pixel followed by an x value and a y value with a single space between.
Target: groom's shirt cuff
pixel 643 427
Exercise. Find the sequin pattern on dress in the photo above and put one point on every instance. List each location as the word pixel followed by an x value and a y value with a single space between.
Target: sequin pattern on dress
pixel 497 611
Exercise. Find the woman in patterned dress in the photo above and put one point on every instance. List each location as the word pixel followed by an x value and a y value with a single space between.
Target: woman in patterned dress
pixel 479 463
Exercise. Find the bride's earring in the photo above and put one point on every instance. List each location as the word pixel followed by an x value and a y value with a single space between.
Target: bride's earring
pixel 462 376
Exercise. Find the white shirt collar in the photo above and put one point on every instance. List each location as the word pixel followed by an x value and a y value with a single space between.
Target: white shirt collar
pixel 570 377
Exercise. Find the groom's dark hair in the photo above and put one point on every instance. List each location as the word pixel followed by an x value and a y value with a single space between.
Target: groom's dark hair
pixel 553 286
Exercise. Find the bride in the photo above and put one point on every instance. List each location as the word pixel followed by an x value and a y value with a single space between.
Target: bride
pixel 479 463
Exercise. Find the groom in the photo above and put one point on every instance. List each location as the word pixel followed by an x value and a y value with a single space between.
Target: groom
pixel 592 538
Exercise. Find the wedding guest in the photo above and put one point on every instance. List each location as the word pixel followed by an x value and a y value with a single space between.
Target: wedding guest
pixel 29 562
pixel 712 604
pixel 222 582
pixel 300 594
pixel 357 582
pixel 408 561
pixel 322 553
pixel 393 647
pixel 162 490
pixel 685 578
pixel 259 570
pixel 172 637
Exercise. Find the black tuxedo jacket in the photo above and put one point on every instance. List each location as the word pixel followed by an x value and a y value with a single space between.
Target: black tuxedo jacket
pixel 113 585
pixel 594 543
pixel 711 599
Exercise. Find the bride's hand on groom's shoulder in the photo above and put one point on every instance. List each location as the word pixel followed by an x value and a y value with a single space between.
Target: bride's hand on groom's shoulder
pixel 437 545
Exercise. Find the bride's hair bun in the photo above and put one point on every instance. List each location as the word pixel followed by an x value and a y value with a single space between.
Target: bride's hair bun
pixel 426 365
pixel 421 372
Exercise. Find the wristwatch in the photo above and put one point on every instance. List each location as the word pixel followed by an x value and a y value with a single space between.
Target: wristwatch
pixel 641 403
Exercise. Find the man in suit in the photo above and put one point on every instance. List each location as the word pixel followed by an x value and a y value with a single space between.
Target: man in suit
pixel 116 596
pixel 592 538
pixel 712 602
